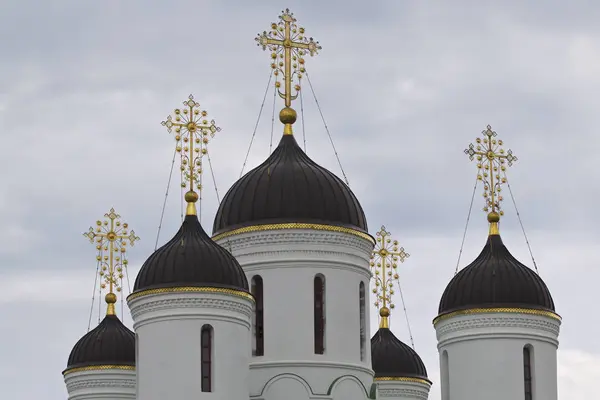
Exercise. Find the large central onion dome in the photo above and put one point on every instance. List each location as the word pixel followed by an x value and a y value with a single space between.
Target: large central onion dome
pixel 391 358
pixel 110 344
pixel 191 259
pixel 496 280
pixel 289 187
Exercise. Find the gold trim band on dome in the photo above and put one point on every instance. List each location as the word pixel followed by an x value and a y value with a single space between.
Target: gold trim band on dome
pixel 98 367
pixel 294 225
pixel 191 289
pixel 403 379
pixel 471 311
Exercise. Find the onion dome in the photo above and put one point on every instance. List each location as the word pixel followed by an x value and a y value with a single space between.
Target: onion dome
pixel 391 358
pixel 289 187
pixel 191 259
pixel 495 280
pixel 110 343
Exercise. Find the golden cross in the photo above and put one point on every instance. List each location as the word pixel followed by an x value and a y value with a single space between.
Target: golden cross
pixel 491 160
pixel 111 237
pixel 288 45
pixel 384 263
pixel 191 127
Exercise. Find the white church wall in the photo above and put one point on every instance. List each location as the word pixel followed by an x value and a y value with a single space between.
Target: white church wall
pixel 485 355
pixel 97 384
pixel 168 327
pixel 288 261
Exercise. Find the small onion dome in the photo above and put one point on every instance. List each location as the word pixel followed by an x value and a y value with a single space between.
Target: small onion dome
pixel 496 280
pixel 391 358
pixel 289 187
pixel 110 343
pixel 191 259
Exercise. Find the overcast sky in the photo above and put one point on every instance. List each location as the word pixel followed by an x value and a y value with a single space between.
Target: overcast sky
pixel 404 86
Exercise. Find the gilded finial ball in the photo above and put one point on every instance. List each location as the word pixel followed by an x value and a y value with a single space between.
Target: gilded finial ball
pixel 288 115
pixel 110 298
pixel 384 312
pixel 493 217
pixel 191 197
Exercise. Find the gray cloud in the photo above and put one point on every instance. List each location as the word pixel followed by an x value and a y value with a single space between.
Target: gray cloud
pixel 405 87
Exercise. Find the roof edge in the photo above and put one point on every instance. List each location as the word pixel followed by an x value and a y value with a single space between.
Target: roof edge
pixel 415 378
pixel 97 367
pixel 270 225
pixel 190 288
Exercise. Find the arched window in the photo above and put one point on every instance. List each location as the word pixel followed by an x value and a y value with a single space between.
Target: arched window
pixel 319 305
pixel 206 344
pixel 528 377
pixel 258 333
pixel 363 326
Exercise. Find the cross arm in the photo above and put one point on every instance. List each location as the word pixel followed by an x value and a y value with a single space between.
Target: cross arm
pixel 485 153
pixel 266 40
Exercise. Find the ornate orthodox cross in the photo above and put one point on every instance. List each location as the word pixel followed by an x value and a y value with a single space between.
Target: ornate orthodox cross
pixel 111 237
pixel 491 161
pixel 384 264
pixel 193 129
pixel 288 45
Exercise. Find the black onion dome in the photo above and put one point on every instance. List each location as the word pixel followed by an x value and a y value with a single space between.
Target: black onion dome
pixel 193 259
pixel 495 280
pixel 393 359
pixel 110 343
pixel 289 187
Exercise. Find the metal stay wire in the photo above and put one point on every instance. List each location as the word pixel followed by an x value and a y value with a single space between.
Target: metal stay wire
pixel 412 341
pixel 327 129
pixel 162 213
pixel 256 125
pixel 521 223
pixel 462 244
pixel 94 293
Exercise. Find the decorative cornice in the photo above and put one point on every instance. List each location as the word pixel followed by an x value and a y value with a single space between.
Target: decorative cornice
pixel 294 225
pixel 472 311
pixel 266 248
pixel 191 289
pixel 152 308
pixel 403 379
pixel 98 368
pixel 464 327
pixel 403 393
pixel 102 383
pixel 549 326
pixel 295 236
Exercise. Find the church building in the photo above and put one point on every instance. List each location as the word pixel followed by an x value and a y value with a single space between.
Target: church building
pixel 274 304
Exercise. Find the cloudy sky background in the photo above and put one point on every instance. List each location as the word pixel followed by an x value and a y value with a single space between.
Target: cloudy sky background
pixel 404 87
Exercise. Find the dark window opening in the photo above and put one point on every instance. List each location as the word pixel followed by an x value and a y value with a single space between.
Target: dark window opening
pixel 258 330
pixel 363 325
pixel 206 357
pixel 527 373
pixel 319 306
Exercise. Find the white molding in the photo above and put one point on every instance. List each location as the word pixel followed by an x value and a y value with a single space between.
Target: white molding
pixel 268 249
pixel 190 305
pixel 101 383
pixel 302 237
pixel 463 327
pixel 311 364
pixel 402 390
